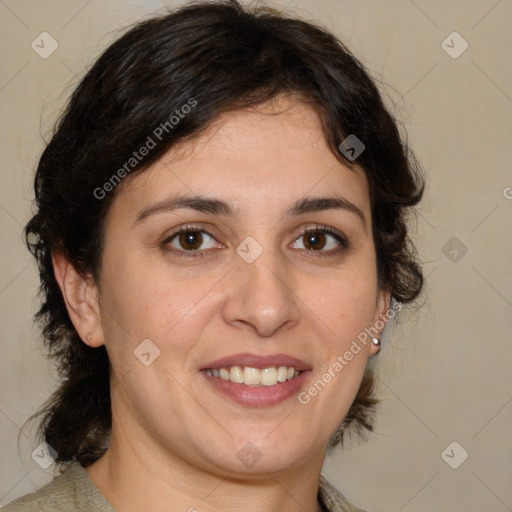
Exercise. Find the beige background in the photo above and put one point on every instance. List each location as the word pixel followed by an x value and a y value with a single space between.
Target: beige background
pixel 445 373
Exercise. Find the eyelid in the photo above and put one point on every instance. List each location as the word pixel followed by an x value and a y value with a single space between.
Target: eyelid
pixel 203 228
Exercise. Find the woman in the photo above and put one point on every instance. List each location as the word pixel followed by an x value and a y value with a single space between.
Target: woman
pixel 220 233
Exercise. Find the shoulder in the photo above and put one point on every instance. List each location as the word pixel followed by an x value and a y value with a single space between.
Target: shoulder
pixel 70 491
pixel 332 500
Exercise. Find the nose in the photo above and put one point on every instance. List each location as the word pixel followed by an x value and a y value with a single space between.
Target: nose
pixel 261 296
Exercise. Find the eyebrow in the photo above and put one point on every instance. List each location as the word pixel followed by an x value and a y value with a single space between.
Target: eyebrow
pixel 318 204
pixel 198 203
pixel 218 207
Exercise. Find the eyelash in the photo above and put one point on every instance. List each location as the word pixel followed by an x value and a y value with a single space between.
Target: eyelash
pixel 199 228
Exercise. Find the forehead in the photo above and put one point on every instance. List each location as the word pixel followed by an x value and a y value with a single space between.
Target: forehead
pixel 257 158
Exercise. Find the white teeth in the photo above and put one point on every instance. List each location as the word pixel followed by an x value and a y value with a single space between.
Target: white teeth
pixel 251 376
pixel 268 377
pixel 282 374
pixel 254 376
pixel 236 374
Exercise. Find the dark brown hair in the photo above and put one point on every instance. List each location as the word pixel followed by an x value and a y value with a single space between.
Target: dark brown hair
pixel 223 57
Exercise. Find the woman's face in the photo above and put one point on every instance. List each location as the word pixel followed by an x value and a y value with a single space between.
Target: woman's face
pixel 272 264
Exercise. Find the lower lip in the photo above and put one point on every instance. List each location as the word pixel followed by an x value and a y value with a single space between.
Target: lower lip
pixel 258 396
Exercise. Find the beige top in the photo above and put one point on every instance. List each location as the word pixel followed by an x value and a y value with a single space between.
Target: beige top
pixel 73 490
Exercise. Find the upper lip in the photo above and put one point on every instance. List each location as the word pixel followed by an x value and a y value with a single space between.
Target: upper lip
pixel 258 361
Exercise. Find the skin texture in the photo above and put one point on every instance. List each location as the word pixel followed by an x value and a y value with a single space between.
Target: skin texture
pixel 175 438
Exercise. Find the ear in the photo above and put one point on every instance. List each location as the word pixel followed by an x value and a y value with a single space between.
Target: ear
pixel 81 297
pixel 380 317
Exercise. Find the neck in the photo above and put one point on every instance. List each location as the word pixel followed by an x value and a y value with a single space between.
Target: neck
pixel 133 477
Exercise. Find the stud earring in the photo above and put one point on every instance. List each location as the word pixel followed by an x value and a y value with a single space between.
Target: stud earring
pixel 88 336
pixel 376 341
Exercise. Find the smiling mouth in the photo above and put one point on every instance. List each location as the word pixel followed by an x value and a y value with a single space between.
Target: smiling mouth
pixel 254 376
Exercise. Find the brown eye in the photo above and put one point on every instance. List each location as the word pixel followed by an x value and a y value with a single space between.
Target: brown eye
pixel 324 241
pixel 315 240
pixel 190 240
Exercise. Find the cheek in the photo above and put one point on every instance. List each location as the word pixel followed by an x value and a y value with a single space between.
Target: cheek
pixel 345 301
pixel 346 309
pixel 143 301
